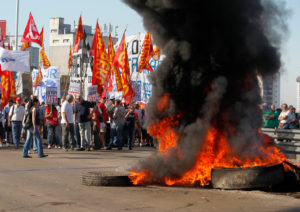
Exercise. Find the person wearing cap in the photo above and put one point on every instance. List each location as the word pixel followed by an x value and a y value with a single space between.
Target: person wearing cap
pixel 293 119
pixel 7 124
pixel 15 117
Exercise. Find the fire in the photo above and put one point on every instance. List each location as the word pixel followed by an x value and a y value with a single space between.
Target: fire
pixel 215 152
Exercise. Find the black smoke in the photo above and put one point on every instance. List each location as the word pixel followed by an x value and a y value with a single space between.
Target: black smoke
pixel 214 50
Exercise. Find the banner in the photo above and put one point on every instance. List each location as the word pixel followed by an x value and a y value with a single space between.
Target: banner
pixel 92 93
pixel 51 78
pixel 17 61
pixel 140 82
pixel 51 95
pixel 75 77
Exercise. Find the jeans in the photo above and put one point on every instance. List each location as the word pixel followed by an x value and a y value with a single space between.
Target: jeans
pixel 51 138
pixel 32 137
pixel 7 132
pixel 85 134
pixel 77 135
pixel 68 135
pixel 116 136
pixel 130 130
pixel 16 132
pixel 58 135
pixel 97 144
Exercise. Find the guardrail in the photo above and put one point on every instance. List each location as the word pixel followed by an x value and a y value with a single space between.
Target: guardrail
pixel 287 140
pixel 281 134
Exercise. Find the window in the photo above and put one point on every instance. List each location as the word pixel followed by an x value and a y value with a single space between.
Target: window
pixel 65 40
pixel 55 41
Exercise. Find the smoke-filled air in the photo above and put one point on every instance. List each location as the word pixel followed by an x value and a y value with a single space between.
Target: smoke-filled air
pixel 205 105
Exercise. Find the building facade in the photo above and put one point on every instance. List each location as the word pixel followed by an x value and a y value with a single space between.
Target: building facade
pixel 298 94
pixel 270 89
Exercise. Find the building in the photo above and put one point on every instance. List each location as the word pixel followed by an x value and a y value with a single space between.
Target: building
pixel 298 94
pixel 61 38
pixel 270 89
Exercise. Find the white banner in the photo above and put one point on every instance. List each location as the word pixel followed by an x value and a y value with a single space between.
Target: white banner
pixel 14 60
pixel 51 78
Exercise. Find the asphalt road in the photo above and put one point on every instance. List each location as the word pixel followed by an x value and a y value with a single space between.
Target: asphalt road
pixel 53 184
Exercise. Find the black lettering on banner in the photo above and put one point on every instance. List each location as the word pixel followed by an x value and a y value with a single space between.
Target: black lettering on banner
pixel 135 47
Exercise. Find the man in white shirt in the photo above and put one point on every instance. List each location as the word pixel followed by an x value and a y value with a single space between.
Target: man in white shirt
pixel 67 123
pixel 15 118
pixel 284 117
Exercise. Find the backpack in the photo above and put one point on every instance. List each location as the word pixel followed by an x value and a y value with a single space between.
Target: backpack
pixel 27 120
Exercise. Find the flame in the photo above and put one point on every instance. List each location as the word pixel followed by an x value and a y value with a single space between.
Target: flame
pixel 164 102
pixel 215 152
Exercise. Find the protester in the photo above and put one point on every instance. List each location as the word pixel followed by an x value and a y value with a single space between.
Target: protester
pixel 2 126
pixel 293 119
pixel 104 122
pixel 131 118
pixel 51 116
pixel 67 124
pixel 42 119
pixel 15 117
pixel 58 129
pixel 110 106
pixel 138 127
pixel 7 126
pixel 116 124
pixel 96 122
pixel 284 117
pixel 271 118
pixel 33 131
pixel 82 114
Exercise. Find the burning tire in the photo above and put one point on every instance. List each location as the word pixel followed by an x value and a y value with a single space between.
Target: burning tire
pixel 105 178
pixel 245 178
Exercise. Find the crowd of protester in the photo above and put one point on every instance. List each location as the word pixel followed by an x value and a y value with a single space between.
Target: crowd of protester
pixel 76 124
pixel 284 117
pixel 73 124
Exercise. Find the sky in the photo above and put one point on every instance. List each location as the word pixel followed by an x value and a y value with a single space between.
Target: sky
pixel 117 13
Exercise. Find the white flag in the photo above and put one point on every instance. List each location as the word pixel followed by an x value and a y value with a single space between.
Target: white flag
pixel 14 60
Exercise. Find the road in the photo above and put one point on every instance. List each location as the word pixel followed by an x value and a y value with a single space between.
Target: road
pixel 53 184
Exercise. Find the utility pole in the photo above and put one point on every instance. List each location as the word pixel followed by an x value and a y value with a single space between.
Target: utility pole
pixel 17 23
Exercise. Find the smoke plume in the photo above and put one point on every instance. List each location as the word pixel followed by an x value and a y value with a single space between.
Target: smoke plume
pixel 214 50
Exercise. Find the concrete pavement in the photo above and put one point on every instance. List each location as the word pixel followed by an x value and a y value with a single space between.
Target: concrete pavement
pixel 53 184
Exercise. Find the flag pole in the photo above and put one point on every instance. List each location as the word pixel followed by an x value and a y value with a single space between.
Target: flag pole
pixel 17 23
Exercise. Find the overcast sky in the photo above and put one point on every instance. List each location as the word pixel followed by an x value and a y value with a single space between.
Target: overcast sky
pixel 115 12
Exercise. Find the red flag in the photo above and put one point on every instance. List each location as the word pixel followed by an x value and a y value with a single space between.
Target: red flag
pixel 101 67
pixel 38 79
pixel 7 86
pixel 147 52
pixel 70 59
pixel 156 53
pixel 2 41
pixel 115 72
pixel 79 36
pixel 31 33
pixel 43 56
pixel 25 45
pixel 8 46
pixel 121 60
pixel 13 92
